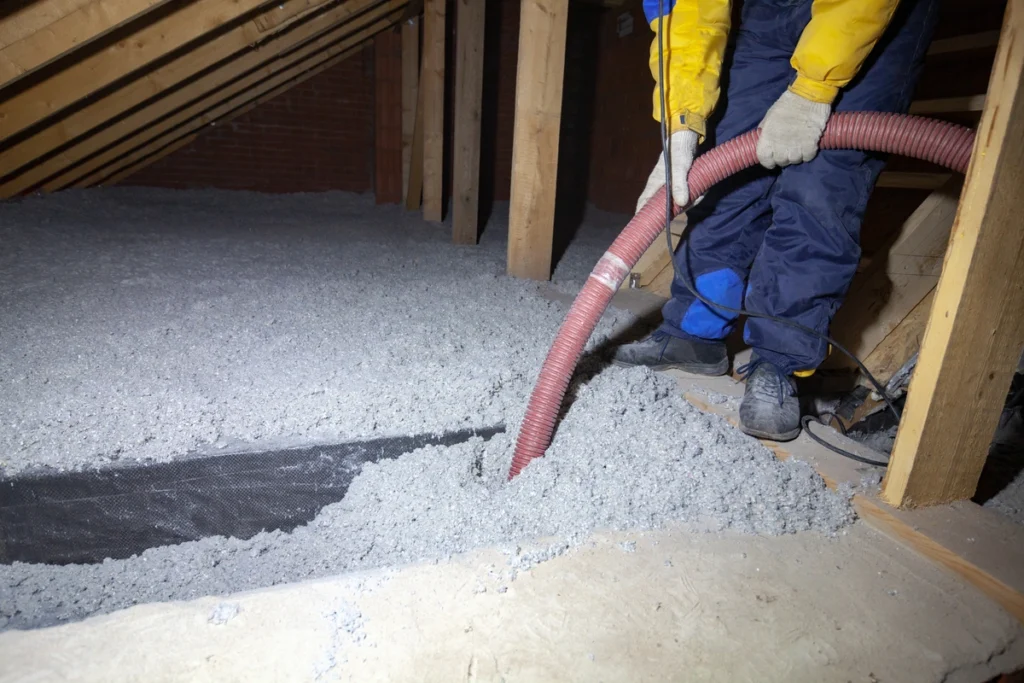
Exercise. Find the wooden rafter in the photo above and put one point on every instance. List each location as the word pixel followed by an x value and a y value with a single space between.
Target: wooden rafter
pixel 88 132
pixel 973 339
pixel 201 96
pixel 220 105
pixel 538 107
pixel 100 69
pixel 43 31
pixel 143 158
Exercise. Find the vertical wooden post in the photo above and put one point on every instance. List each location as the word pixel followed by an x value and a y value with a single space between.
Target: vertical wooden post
pixel 432 85
pixel 410 86
pixel 469 83
pixel 975 331
pixel 388 129
pixel 535 138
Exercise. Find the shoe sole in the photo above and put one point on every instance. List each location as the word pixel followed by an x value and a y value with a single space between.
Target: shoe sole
pixel 692 368
pixel 785 436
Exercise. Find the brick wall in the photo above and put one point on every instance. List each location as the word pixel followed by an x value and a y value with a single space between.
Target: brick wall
pixel 317 136
pixel 388 117
pixel 625 142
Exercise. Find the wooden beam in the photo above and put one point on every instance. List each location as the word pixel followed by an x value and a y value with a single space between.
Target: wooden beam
pixel 30 17
pixel 90 136
pixel 970 41
pixel 948 105
pixel 912 181
pixel 975 331
pixel 143 158
pixel 410 87
pixel 387 167
pixel 902 343
pixel 414 195
pixel 903 273
pixel 469 84
pixel 432 84
pixel 156 156
pixel 69 27
pixel 223 103
pixel 538 113
pixel 102 68
pixel 286 13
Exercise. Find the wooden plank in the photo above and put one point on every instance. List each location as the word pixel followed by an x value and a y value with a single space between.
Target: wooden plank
pixel 432 85
pixel 970 41
pixel 538 113
pixel 989 562
pixel 414 196
pixel 975 331
pixel 219 104
pixel 31 17
pixel 141 158
pixel 912 181
pixel 902 343
pixel 903 273
pixel 387 167
pixel 102 68
pixel 285 13
pixel 410 88
pixel 67 32
pixel 92 137
pixel 469 84
pixel 343 36
pixel 883 520
pixel 948 105
pixel 154 157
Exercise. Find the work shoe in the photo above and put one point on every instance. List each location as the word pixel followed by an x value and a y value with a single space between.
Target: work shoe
pixel 770 408
pixel 663 351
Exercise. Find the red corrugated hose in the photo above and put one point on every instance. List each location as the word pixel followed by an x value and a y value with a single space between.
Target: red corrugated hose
pixel 936 141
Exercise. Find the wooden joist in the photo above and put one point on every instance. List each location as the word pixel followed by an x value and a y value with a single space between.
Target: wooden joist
pixel 42 31
pixel 142 158
pixel 414 194
pixel 975 330
pixel 218 104
pixel 100 69
pixel 469 82
pixel 410 88
pixel 970 41
pixel 538 110
pixel 432 85
pixel 159 89
pixel 907 268
pixel 912 180
pixel 948 105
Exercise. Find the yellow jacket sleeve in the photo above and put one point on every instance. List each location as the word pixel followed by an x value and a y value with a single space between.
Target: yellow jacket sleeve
pixel 694 46
pixel 835 43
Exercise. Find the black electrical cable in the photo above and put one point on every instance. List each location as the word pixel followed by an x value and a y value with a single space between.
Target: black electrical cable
pixel 740 311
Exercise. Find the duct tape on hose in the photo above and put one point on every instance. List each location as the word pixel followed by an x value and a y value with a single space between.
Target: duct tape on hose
pixel 610 271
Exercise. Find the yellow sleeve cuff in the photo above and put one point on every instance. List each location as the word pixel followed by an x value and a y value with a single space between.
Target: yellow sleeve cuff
pixel 688 121
pixel 815 91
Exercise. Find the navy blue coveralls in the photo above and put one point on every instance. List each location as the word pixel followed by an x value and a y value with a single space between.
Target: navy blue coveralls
pixel 787 242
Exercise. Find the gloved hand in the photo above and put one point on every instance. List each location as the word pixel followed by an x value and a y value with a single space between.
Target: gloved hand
pixel 791 129
pixel 682 146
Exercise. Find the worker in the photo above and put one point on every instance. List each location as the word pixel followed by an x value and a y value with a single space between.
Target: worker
pixel 781 238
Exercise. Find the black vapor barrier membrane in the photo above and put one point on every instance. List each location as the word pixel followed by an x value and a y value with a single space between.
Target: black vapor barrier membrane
pixel 117 512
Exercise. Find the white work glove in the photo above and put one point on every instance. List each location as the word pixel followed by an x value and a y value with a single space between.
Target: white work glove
pixel 682 146
pixel 791 129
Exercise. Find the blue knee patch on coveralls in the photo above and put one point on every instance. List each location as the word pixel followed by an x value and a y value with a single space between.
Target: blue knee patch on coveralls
pixel 722 287
pixel 793 233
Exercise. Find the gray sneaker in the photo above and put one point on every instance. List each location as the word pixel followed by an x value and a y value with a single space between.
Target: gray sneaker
pixel 662 351
pixel 770 408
